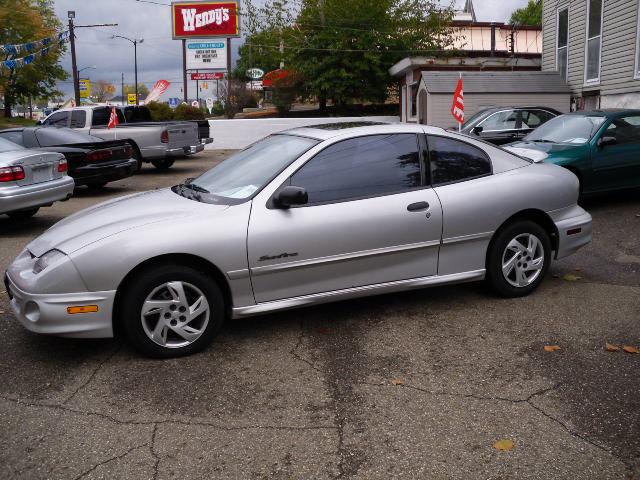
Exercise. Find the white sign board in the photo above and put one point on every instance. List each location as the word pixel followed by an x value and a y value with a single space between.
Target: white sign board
pixel 203 55
pixel 195 104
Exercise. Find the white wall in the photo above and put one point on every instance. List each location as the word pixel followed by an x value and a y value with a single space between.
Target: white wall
pixel 240 133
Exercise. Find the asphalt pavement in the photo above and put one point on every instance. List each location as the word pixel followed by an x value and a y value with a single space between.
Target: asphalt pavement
pixel 411 385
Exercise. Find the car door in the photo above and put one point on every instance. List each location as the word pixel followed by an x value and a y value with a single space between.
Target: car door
pixel 617 165
pixel 501 127
pixel 369 220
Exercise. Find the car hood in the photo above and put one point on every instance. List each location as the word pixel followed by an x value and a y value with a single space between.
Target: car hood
pixel 119 215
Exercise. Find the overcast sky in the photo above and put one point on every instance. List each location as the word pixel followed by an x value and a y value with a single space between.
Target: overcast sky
pixel 160 57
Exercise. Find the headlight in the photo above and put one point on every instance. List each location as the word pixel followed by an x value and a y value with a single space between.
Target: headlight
pixel 47 259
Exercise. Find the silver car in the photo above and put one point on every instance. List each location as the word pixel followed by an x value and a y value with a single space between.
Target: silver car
pixel 307 216
pixel 31 179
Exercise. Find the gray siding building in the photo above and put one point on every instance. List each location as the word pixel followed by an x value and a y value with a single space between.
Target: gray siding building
pixel 594 44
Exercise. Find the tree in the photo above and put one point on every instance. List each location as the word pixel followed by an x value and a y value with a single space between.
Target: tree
pixel 102 90
pixel 344 48
pixel 529 15
pixel 143 90
pixel 28 21
pixel 257 51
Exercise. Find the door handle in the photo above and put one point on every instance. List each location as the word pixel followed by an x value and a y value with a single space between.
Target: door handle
pixel 418 206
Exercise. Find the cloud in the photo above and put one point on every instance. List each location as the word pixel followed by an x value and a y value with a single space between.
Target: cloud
pixel 159 56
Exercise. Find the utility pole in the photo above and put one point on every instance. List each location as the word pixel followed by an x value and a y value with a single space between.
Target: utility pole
pixel 184 69
pixel 135 68
pixel 74 66
pixel 122 87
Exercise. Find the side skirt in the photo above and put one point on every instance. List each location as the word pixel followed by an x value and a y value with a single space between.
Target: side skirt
pixel 356 292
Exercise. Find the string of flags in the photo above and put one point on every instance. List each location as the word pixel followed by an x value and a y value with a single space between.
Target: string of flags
pixel 45 45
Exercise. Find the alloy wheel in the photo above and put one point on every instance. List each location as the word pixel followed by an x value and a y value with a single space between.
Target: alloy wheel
pixel 522 260
pixel 175 314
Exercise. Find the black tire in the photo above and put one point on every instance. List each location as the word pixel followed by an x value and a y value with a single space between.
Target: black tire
pixel 23 214
pixel 138 157
pixel 498 252
pixel 138 291
pixel 96 186
pixel 163 164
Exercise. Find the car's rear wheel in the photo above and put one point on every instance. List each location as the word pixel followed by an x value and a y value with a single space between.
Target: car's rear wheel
pixel 171 311
pixel 518 259
pixel 162 164
pixel 96 185
pixel 23 214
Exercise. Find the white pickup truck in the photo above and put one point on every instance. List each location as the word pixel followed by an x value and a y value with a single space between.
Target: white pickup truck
pixel 157 142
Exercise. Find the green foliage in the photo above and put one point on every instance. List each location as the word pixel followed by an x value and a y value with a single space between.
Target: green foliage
pixel 285 92
pixel 187 112
pixel 217 109
pixel 529 15
pixel 143 90
pixel 26 21
pixel 160 112
pixel 257 52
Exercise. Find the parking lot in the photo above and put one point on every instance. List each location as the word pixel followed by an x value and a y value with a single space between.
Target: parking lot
pixel 412 385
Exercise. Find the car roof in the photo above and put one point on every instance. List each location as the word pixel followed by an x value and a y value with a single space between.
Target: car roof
pixel 607 112
pixel 326 131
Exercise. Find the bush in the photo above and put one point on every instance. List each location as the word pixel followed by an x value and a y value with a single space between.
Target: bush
pixel 217 109
pixel 285 92
pixel 187 112
pixel 160 112
pixel 251 102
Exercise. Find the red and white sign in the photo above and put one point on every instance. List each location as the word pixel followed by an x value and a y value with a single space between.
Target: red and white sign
pixel 205 19
pixel 113 118
pixel 457 109
pixel 158 89
pixel 207 76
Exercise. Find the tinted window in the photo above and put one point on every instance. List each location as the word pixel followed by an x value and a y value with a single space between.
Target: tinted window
pixel 625 130
pixel 78 119
pixel 361 167
pixel 506 120
pixel 15 137
pixel 62 136
pixel 58 119
pixel 454 161
pixel 535 118
pixel 101 117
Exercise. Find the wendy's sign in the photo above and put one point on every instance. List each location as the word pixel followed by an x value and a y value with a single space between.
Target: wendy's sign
pixel 205 19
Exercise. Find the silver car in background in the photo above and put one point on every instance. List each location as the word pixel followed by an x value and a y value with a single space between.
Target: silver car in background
pixel 31 179
pixel 307 216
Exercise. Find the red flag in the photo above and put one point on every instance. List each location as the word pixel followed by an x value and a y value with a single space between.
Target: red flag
pixel 457 109
pixel 113 119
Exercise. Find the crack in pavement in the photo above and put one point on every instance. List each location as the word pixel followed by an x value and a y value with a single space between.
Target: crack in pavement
pixel 627 462
pixel 117 457
pixel 156 457
pixel 295 348
pixel 92 375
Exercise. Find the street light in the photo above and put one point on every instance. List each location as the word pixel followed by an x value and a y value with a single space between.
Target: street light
pixel 135 42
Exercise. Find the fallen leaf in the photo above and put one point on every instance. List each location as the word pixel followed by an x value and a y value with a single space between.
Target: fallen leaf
pixel 504 445
pixel 611 348
pixel 551 348
pixel 397 381
pixel 570 277
pixel 630 349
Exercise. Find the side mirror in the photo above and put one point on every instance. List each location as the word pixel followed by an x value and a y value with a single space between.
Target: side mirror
pixel 477 129
pixel 606 140
pixel 40 122
pixel 290 196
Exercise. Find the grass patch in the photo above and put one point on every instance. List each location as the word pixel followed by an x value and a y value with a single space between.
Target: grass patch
pixel 15 122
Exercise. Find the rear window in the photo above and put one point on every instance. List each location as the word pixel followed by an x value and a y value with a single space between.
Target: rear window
pixel 7 146
pixel 15 137
pixel 101 116
pixel 62 136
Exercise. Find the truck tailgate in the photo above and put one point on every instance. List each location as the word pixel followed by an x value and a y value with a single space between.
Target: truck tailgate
pixel 183 134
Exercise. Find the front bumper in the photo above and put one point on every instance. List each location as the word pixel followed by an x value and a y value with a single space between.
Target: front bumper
pixel 30 196
pixel 104 173
pixel 47 313
pixel 574 232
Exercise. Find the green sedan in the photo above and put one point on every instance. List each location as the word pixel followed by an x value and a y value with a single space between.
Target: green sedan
pixel 601 147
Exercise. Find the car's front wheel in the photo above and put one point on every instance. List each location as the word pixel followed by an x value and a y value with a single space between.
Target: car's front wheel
pixel 170 311
pixel 518 259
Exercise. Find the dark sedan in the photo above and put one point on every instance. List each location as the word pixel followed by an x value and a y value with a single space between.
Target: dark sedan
pixel 502 125
pixel 92 161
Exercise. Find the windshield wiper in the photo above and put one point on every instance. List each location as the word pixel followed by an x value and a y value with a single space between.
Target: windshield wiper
pixel 541 140
pixel 188 191
pixel 196 188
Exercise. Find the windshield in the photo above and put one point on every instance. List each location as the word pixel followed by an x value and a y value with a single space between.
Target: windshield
pixel 48 137
pixel 7 146
pixel 473 118
pixel 567 129
pixel 243 174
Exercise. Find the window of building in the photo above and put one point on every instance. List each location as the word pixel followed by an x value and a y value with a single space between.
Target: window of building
pixel 563 40
pixel 637 72
pixel 455 161
pixel 361 167
pixel 414 99
pixel 594 41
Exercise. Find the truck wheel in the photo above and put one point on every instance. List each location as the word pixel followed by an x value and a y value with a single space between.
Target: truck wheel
pixel 162 164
